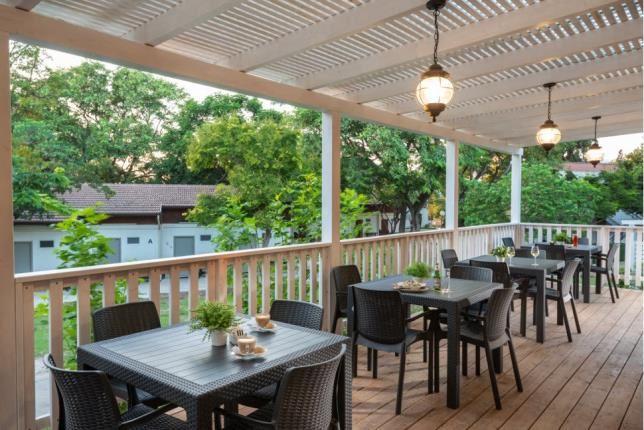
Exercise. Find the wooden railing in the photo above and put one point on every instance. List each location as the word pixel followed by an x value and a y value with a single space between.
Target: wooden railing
pixel 628 262
pixel 249 279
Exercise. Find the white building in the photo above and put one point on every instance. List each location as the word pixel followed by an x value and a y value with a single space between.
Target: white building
pixel 146 222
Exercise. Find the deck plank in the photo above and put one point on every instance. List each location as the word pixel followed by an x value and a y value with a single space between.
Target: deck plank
pixel 633 417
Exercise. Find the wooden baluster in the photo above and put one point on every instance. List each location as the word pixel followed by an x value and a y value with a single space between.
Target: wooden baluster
pixel 175 305
pixel 109 285
pixel 132 287
pixel 363 257
pixel 193 296
pixel 237 285
pixel 26 365
pixel 155 288
pixel 315 294
pixel 211 281
pixel 628 256
pixel 252 286
pixel 291 276
pixel 373 251
pixel 266 284
pixel 83 311
pixel 303 280
pixel 221 286
pixel 279 276
pixel 639 249
pixel 55 342
pixel 381 259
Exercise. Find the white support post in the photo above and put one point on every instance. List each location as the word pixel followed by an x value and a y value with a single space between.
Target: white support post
pixel 451 190
pixel 515 197
pixel 331 160
pixel 515 217
pixel 8 353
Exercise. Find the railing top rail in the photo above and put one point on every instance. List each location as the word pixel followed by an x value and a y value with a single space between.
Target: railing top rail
pixel 133 266
pixel 541 224
pixel 475 227
pixel 395 236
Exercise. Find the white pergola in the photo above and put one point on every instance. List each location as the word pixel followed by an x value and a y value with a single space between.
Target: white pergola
pixel 357 58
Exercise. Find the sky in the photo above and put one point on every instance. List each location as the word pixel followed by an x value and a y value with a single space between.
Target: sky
pixel 611 145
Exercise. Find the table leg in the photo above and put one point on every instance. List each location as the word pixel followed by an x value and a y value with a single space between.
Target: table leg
pixel 453 356
pixel 586 278
pixel 540 309
pixel 200 415
pixel 344 392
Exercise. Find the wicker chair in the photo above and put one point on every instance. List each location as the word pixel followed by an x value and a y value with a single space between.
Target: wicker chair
pixel 380 323
pixel 508 241
pixel 298 313
pixel 560 295
pixel 341 278
pixel 491 332
pixel 121 320
pixel 87 402
pixel 294 312
pixel 584 240
pixel 449 258
pixel 436 318
pixel 599 270
pixel 305 400
pixel 524 252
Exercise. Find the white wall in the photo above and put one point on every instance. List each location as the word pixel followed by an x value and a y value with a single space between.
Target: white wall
pixel 153 242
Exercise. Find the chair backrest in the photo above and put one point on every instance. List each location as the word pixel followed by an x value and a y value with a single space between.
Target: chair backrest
pixel 471 273
pixel 379 315
pixel 524 252
pixel 496 316
pixel 554 252
pixel 508 241
pixel 568 276
pixel 304 314
pixel 305 397
pixel 121 320
pixel 610 257
pixel 341 278
pixel 584 241
pixel 86 398
pixel 500 271
pixel 449 258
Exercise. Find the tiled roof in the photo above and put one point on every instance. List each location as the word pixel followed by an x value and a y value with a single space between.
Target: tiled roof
pixel 136 199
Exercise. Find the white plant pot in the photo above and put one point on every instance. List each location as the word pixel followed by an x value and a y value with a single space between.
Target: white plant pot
pixel 500 259
pixel 218 338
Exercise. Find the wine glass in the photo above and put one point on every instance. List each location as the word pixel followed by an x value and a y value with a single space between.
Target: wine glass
pixel 535 251
pixel 511 253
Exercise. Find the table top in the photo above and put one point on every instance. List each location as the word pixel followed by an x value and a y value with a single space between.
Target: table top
pixel 459 290
pixel 580 248
pixel 172 362
pixel 525 263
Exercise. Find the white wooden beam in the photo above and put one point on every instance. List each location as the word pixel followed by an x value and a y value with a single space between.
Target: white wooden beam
pixel 8 315
pixel 585 132
pixel 558 74
pixel 523 19
pixel 516 132
pixel 508 104
pixel 584 105
pixel 515 197
pixel 67 37
pixel 24 4
pixel 182 17
pixel 331 164
pixel 354 20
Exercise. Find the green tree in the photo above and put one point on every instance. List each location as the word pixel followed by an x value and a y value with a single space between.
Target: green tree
pixel 546 197
pixel 622 188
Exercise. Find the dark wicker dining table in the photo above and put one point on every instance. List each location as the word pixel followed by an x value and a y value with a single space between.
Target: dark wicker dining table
pixel 181 368
pixel 461 294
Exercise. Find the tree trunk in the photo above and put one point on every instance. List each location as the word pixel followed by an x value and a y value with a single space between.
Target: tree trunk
pixel 403 219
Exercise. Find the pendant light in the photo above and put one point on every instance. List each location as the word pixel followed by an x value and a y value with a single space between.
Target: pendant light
pixel 549 134
pixel 435 90
pixel 595 153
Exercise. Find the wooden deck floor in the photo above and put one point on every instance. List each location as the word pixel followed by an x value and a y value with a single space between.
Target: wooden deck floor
pixel 593 383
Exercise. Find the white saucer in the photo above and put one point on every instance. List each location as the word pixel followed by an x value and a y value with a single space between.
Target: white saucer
pixel 251 356
pixel 252 326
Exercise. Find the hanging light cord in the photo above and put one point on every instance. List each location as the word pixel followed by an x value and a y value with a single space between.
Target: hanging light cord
pixel 436 35
pixel 595 130
pixel 549 101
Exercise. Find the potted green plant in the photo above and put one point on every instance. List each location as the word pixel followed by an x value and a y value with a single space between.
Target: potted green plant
pixel 500 252
pixel 561 238
pixel 418 270
pixel 216 318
